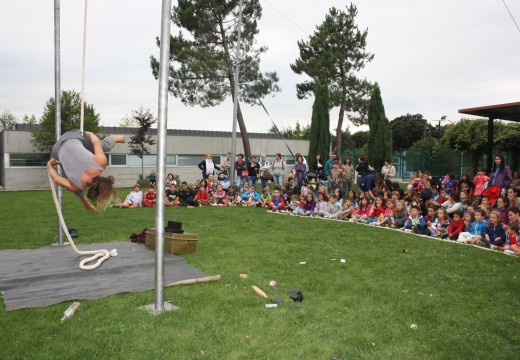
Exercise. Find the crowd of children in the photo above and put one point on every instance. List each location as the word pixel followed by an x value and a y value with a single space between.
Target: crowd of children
pixel 444 208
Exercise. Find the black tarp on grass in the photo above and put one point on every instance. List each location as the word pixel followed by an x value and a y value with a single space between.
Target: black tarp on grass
pixel 50 275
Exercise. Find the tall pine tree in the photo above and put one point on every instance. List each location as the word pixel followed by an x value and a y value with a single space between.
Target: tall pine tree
pixel 320 123
pixel 380 135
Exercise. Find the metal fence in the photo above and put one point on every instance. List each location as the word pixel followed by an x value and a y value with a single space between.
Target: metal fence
pixel 458 163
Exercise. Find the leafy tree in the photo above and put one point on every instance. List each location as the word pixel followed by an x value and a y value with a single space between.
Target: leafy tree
pixel 380 135
pixel 467 135
pixel 30 120
pixel 202 68
pixel 70 119
pixel 7 120
pixel 298 133
pixel 333 55
pixel 320 122
pixel 138 142
pixel 507 141
pixel 360 139
pixel 408 129
pixel 128 122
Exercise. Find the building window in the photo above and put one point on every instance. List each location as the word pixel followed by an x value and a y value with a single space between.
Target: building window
pixel 31 159
pixel 189 160
pixel 117 160
pixel 171 160
pixel 134 160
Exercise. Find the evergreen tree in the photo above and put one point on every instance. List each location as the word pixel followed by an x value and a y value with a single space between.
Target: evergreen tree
pixel 70 119
pixel 202 66
pixel 333 55
pixel 380 135
pixel 320 123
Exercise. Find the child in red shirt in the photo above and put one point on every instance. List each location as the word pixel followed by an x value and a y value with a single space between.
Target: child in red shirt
pixel 456 226
pixel 150 198
pixel 202 196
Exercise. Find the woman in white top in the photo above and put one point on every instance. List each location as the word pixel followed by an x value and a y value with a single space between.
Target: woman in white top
pixel 264 170
pixel 388 170
pixel 278 170
pixel 207 166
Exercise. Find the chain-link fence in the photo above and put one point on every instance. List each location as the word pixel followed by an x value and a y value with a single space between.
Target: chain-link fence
pixel 458 163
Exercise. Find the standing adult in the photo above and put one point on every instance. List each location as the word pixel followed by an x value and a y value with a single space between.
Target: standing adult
pixel 265 175
pixel 299 172
pixel 388 170
pixel 362 168
pixel 328 165
pixel 500 174
pixel 348 174
pixel 317 166
pixel 278 170
pixel 207 166
pixel 252 170
pixel 241 170
pixel 226 164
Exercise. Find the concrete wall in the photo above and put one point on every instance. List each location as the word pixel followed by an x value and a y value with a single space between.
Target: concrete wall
pixel 179 142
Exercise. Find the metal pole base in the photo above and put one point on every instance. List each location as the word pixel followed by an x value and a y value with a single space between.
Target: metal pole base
pixel 168 306
pixel 58 244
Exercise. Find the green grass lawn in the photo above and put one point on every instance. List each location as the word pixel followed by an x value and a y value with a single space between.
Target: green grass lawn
pixel 464 301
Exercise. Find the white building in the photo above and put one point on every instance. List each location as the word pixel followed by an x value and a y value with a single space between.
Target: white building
pixel 23 167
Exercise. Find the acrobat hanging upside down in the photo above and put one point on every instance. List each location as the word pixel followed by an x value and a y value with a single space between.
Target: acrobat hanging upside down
pixel 82 157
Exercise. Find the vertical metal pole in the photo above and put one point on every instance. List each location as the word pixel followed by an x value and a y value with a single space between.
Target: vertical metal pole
pixel 57 97
pixel 235 104
pixel 161 152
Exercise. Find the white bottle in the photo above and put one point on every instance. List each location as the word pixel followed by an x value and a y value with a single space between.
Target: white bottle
pixel 70 311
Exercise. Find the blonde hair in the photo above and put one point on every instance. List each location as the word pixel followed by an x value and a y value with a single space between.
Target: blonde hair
pixel 102 192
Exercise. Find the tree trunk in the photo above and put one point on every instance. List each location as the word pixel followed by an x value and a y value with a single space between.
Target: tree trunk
pixel 243 133
pixel 231 78
pixel 338 130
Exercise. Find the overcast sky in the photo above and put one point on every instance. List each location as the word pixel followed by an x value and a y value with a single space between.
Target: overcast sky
pixel 431 57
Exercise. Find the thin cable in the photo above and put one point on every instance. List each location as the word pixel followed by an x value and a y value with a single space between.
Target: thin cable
pixel 287 18
pixel 509 11
pixel 82 95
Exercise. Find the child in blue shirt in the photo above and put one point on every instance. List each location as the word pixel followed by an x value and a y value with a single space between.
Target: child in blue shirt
pixel 477 227
pixel 415 221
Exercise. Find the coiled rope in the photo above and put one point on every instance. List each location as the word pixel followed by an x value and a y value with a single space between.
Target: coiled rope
pixel 100 255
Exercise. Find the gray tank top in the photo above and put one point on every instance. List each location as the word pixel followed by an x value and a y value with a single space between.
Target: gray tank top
pixel 75 160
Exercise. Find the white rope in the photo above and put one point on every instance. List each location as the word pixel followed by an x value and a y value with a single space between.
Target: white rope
pixel 82 95
pixel 100 255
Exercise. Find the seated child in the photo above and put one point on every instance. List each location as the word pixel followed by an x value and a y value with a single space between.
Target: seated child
pixel 501 207
pixel 224 180
pixel 333 208
pixel 202 196
pixel 474 235
pixel 294 204
pixel 265 198
pixel 348 210
pixel 232 196
pixel 439 228
pixel 399 217
pixel 514 247
pixel 493 235
pixel 456 225
pixel 415 221
pixel 250 198
pixel 363 211
pixel 219 196
pixel 307 206
pixel 133 199
pixel 150 197
pixel 277 203
pixel 321 206
pixel 389 212
pixel 377 212
pixel 172 198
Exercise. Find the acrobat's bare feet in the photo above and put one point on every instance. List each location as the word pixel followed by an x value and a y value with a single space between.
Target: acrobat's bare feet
pixel 119 138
